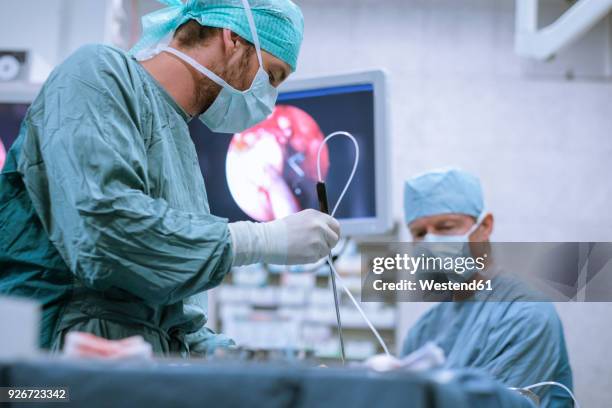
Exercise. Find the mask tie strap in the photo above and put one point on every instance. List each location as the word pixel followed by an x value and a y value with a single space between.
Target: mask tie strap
pixel 214 77
pixel 478 222
pixel 251 20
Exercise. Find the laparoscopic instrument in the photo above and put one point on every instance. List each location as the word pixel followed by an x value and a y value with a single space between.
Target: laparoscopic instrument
pixel 324 207
pixel 334 276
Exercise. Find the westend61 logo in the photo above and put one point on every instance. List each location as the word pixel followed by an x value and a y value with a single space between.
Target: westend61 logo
pixel 424 263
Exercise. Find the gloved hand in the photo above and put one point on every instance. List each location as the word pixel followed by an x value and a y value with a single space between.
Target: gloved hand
pixel 300 238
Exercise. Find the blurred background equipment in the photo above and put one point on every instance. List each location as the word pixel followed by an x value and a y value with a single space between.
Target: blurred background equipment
pixel 289 309
pixel 19 325
pixel 546 42
pixel 564 38
pixel 13 66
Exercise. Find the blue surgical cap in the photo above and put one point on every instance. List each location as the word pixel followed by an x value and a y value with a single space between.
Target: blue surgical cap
pixel 279 23
pixel 442 192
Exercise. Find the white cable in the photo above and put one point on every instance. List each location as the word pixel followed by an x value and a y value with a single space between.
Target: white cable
pixel 329 259
pixel 350 295
pixel 543 383
pixel 355 163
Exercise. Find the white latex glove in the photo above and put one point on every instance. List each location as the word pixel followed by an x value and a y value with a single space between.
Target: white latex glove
pixel 299 238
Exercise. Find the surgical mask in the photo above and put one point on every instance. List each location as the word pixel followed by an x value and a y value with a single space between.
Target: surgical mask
pixel 453 247
pixel 234 111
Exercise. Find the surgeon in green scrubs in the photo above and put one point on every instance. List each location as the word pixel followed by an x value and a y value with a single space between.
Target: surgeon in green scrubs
pixel 104 217
pixel 503 332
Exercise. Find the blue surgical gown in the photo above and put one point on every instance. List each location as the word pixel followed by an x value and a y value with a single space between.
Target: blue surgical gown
pixel 519 342
pixel 104 217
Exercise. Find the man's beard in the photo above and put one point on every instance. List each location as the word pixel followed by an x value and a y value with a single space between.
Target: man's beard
pixel 208 90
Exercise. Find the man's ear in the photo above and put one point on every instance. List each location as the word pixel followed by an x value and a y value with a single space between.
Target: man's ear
pixel 487 226
pixel 231 42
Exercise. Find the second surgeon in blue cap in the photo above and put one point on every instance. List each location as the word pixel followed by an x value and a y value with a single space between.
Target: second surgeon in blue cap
pixel 517 341
pixel 446 206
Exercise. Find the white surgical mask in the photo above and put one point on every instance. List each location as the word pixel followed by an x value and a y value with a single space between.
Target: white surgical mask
pixel 453 246
pixel 234 111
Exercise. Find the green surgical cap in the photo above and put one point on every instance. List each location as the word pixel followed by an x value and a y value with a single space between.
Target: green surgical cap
pixel 442 192
pixel 280 24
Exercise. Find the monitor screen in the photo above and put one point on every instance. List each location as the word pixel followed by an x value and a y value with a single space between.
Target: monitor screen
pixel 11 115
pixel 270 170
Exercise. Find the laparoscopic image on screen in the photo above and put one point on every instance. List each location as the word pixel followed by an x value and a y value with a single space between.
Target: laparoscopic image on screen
pixel 270 170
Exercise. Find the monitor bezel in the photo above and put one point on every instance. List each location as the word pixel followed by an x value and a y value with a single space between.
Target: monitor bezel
pixel 18 92
pixel 381 222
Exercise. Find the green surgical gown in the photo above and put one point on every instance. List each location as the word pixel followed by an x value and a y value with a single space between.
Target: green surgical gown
pixel 517 341
pixel 104 217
